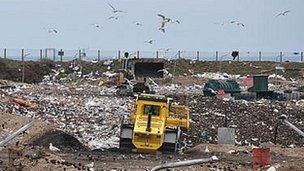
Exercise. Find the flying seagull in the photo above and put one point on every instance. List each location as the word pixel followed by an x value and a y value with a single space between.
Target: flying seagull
pixel 162 27
pixel 97 26
pixel 137 23
pixel 165 19
pixel 52 30
pixel 220 23
pixel 114 17
pixel 283 13
pixel 237 23
pixel 240 24
pixel 177 21
pixel 114 10
pixel 150 41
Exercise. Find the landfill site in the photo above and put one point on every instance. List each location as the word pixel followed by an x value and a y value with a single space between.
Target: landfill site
pixel 151 114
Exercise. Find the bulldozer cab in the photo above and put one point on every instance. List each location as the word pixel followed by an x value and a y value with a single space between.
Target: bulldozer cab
pixel 145 67
pixel 152 110
pixel 150 105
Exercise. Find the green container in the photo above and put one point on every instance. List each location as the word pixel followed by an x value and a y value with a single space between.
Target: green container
pixel 260 83
pixel 212 87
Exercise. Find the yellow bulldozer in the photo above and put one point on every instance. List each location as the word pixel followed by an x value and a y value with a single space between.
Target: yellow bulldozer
pixel 131 78
pixel 155 125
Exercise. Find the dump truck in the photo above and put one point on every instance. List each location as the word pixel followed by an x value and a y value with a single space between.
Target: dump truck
pixel 137 70
pixel 155 124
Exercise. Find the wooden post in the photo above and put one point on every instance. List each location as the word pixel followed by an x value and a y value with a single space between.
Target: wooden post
pixel 4 53
pixel 260 56
pixel 179 54
pixel 118 54
pixel 156 54
pixel 41 54
pixel 302 57
pixel 197 55
pixel 79 54
pixel 98 55
pixel 23 67
pixel 216 56
pixel 281 56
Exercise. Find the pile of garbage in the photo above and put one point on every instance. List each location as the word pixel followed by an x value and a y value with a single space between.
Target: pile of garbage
pixel 89 112
pixel 254 121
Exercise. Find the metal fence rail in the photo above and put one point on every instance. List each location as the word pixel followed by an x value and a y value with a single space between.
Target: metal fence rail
pixel 90 55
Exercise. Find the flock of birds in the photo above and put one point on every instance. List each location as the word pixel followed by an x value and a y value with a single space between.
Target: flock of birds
pixel 165 21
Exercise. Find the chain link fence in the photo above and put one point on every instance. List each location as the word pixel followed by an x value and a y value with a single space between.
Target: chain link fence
pixel 97 55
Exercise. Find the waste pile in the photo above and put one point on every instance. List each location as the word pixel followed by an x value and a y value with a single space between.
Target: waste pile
pixel 254 121
pixel 86 106
pixel 86 111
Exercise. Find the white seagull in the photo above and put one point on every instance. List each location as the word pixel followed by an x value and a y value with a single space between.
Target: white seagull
pixel 114 10
pixel 97 26
pixel 283 13
pixel 114 17
pixel 52 30
pixel 53 148
pixel 150 41
pixel 137 23
pixel 165 19
pixel 165 71
pixel 222 24
pixel 240 24
pixel 207 150
pixel 237 23
pixel 162 27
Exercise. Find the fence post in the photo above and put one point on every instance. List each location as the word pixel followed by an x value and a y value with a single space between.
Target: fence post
pixel 23 67
pixel 179 54
pixel 260 56
pixel 156 54
pixel 45 53
pixel 54 55
pixel 197 55
pixel 98 55
pixel 79 54
pixel 281 56
pixel 302 57
pixel 137 54
pixel 118 54
pixel 216 56
pixel 61 55
pixel 4 53
pixel 41 54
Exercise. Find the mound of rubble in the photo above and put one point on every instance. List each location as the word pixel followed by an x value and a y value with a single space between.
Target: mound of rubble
pixel 60 139
pixel 254 121
pixel 88 112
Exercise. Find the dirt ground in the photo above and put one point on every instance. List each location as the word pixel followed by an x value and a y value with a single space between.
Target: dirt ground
pixel 67 113
pixel 29 151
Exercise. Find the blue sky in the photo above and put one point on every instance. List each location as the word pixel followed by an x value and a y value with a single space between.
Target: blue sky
pixel 25 23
